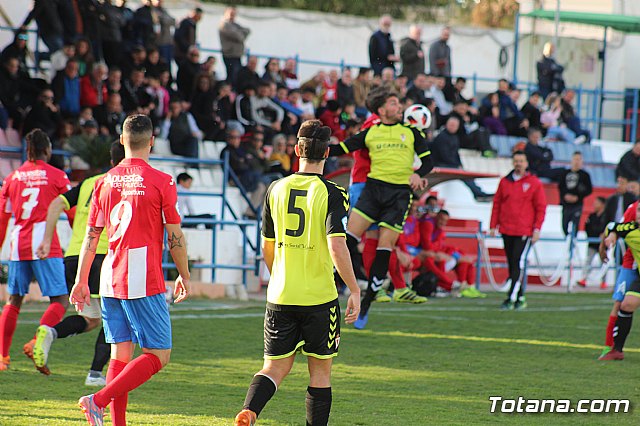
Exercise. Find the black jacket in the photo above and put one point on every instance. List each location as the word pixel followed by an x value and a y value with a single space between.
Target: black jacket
pixel 345 93
pixel 46 15
pixel 444 150
pixel 532 114
pixel 611 205
pixel 245 78
pixel 186 77
pixel 594 226
pixel 629 166
pixel 538 157
pixel 380 46
pixel 574 183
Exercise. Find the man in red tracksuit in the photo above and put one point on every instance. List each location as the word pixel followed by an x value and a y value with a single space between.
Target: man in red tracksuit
pixel 519 207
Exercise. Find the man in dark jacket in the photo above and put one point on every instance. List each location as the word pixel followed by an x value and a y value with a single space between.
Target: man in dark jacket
pixel 181 130
pixel 549 72
pixel 66 89
pixel 440 55
pixel 187 72
pixel 44 115
pixel 574 186
pixel 411 53
pixel 594 227
pixel 382 54
pixel 538 157
pixel 49 23
pixel 629 165
pixel 618 202
pixel 247 76
pixel 185 34
pixel 444 151
pixel 531 111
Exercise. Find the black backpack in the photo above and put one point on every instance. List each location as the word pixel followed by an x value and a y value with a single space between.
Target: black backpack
pixel 425 284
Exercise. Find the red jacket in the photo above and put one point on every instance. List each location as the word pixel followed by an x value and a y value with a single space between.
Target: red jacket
pixel 89 93
pixel 332 120
pixel 518 206
pixel 431 237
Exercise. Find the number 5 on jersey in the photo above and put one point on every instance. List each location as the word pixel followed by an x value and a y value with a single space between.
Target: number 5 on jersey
pixel 292 209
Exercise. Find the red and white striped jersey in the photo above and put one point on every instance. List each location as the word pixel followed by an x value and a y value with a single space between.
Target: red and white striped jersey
pixel 27 193
pixel 133 201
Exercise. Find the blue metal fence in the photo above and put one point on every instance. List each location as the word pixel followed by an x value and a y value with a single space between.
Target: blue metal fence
pixel 216 223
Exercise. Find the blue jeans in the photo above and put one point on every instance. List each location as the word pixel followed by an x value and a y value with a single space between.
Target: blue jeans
pixel 233 65
pixel 562 133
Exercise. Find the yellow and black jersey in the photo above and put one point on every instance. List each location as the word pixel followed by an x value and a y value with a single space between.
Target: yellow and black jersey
pixel 630 231
pixel 80 198
pixel 300 212
pixel 391 149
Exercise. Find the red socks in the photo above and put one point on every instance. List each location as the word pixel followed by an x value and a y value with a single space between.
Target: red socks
pixel 395 270
pixel 443 280
pixel 8 321
pixel 133 375
pixel 53 315
pixel 369 253
pixel 119 404
pixel 608 341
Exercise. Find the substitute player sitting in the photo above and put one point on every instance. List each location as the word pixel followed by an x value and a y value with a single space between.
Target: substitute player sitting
pixel 27 193
pixel 386 197
pixel 136 203
pixel 303 238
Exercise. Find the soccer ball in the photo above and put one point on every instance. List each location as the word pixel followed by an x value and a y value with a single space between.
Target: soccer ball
pixel 418 116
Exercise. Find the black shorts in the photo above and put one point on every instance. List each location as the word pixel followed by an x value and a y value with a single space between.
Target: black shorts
pixel 634 288
pixel 385 204
pixel 312 330
pixel 71 268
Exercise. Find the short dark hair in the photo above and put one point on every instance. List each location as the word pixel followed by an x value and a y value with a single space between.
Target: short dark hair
pixel 601 199
pixel 519 152
pixel 313 140
pixel 333 105
pixel 431 197
pixel 117 153
pixel 352 123
pixel 198 10
pixel 378 97
pixel 461 79
pixel 533 130
pixel 534 93
pixel 577 153
pixel 444 212
pixel 137 130
pixel 183 176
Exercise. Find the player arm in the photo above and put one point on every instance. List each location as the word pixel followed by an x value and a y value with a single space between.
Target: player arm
pixel 178 249
pixel 56 208
pixel 88 253
pixel 268 230
pixel 424 154
pixel 4 224
pixel 342 261
pixel 353 143
pixel 268 251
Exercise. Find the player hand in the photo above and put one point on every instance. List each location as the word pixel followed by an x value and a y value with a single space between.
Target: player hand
pixel 610 241
pixel 80 296
pixel 181 289
pixel 43 250
pixel 602 251
pixel 353 308
pixel 417 183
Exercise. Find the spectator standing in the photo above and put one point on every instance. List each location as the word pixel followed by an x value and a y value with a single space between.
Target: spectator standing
pixel 519 208
pixel 143 24
pixel 618 202
pixel 187 72
pixel 629 164
pixel 163 23
pixel 181 130
pixel 549 72
pixel 66 89
pixel 345 88
pixel 50 27
pixel 539 157
pixel 440 55
pixel 411 53
pixel 574 185
pixel 232 39
pixel 594 227
pixel 111 22
pixel 382 54
pixel 90 16
pixel 185 35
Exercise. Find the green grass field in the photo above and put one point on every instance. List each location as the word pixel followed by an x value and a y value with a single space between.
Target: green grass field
pixel 432 364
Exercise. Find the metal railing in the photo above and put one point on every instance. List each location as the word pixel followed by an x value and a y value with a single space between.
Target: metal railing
pixel 216 223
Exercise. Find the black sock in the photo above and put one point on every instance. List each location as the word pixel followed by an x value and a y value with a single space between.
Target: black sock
pixel 622 329
pixel 355 255
pixel 101 353
pixel 260 392
pixel 318 404
pixel 70 326
pixel 377 275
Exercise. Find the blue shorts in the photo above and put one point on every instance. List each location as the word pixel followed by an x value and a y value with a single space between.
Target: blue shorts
pixel 624 280
pixel 413 251
pixel 144 321
pixel 355 189
pixel 48 272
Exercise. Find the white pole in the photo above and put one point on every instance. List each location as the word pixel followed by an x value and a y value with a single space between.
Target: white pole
pixel 557 25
